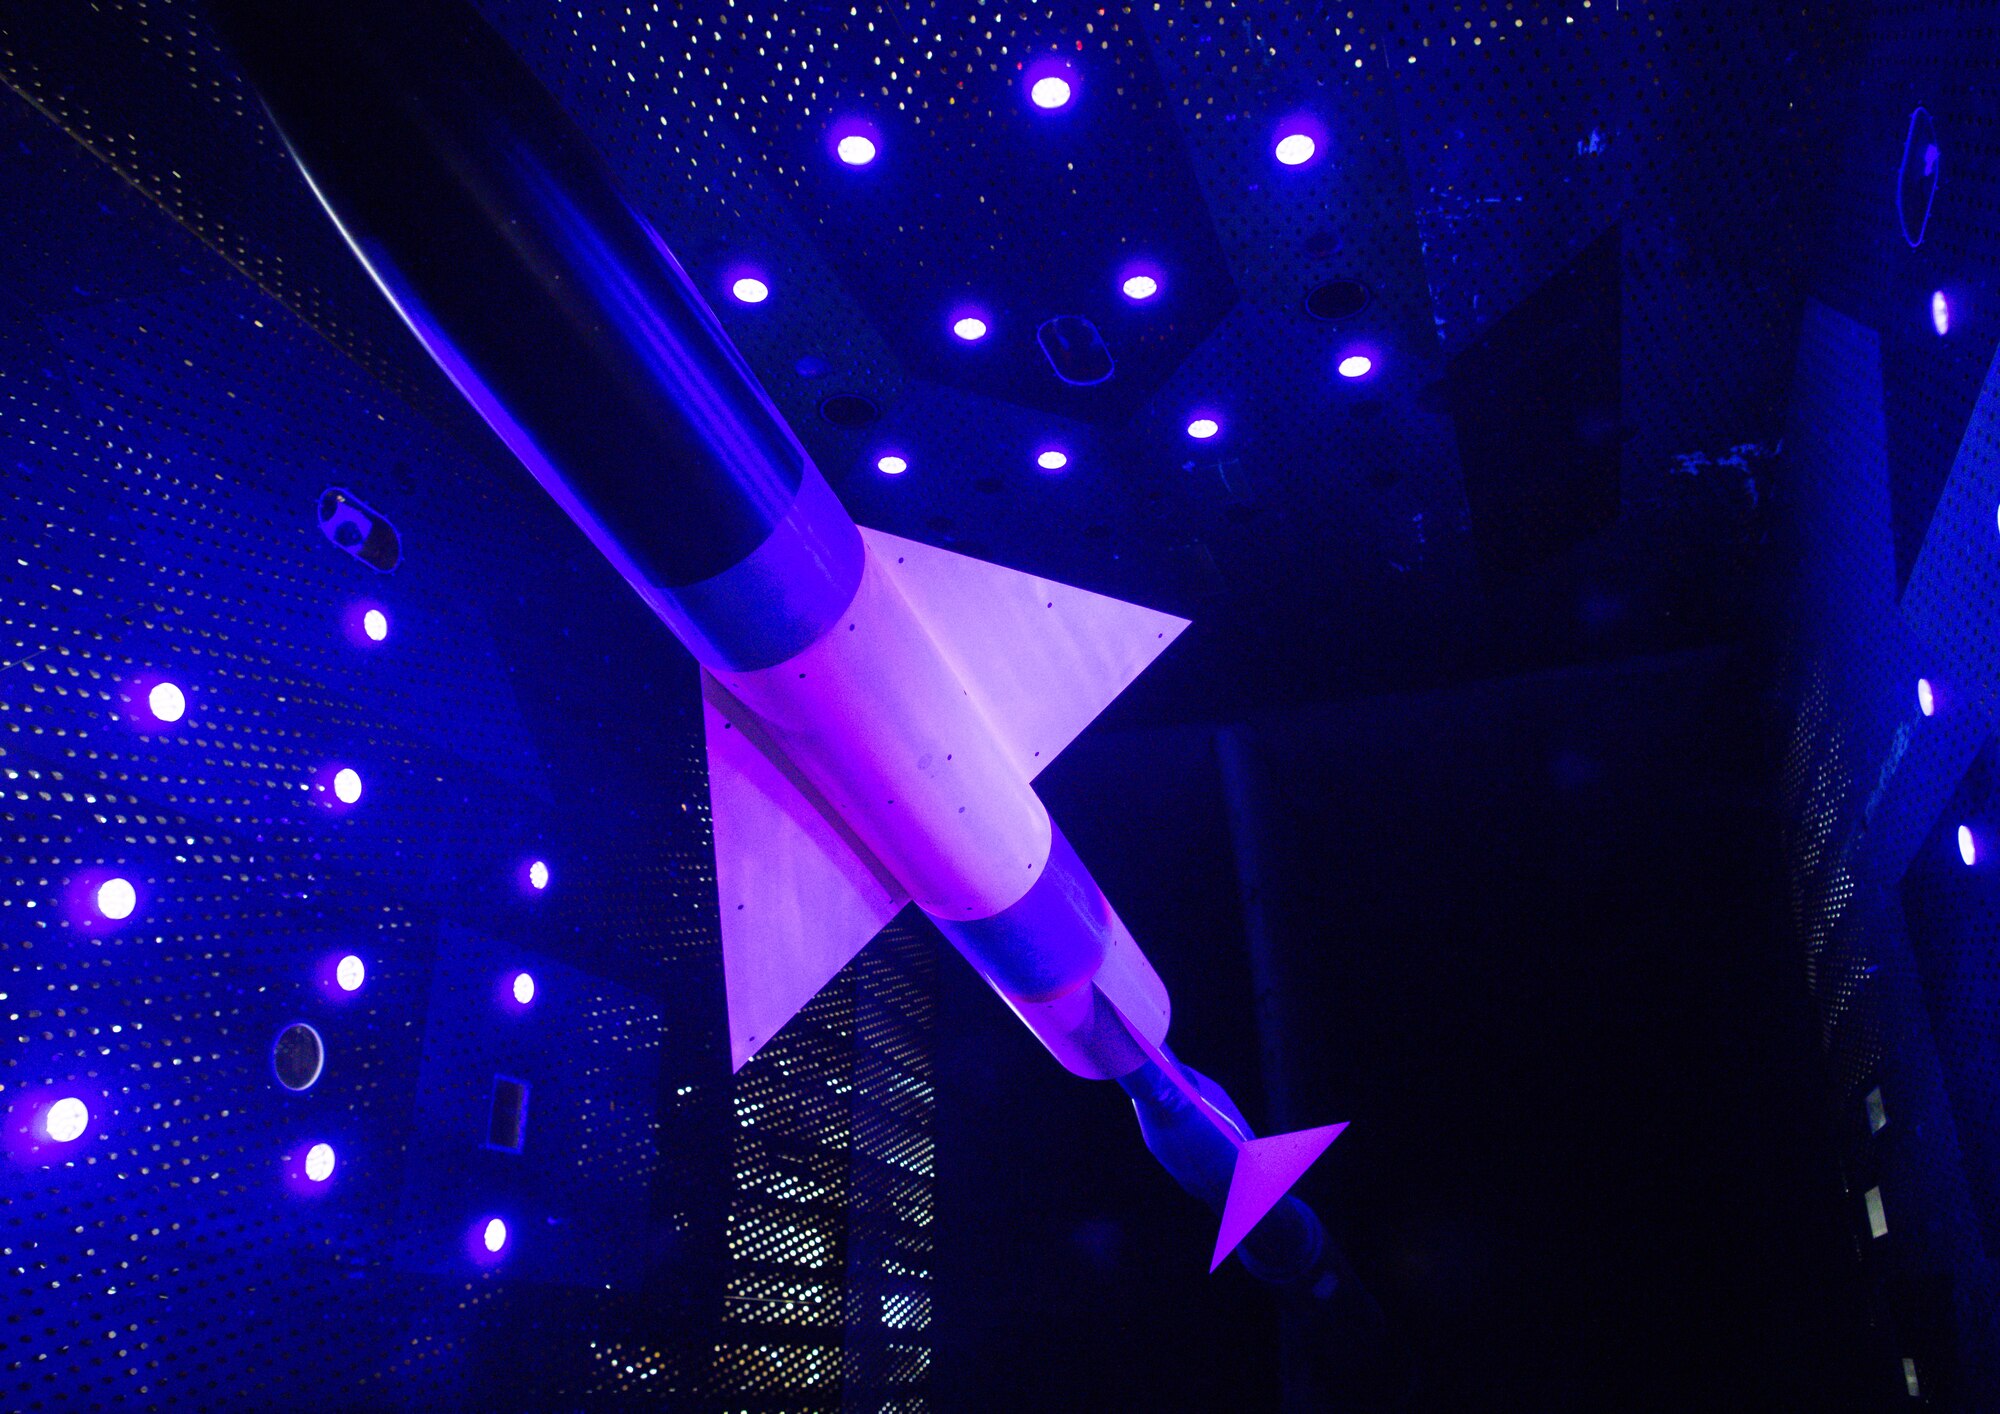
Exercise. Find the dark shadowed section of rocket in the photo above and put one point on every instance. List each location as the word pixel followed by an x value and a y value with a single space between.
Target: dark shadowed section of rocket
pixel 494 228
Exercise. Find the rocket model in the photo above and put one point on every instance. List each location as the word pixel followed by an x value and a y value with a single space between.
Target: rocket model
pixel 876 709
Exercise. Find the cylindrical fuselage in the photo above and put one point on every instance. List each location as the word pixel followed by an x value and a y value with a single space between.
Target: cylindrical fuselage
pixel 495 230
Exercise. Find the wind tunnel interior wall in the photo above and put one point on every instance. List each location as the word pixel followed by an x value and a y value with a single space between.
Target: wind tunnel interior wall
pixel 672 1233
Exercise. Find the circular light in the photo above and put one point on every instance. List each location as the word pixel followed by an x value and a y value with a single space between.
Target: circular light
pixel 116 898
pixel 1940 313
pixel 855 150
pixel 969 329
pixel 375 624
pixel 1050 92
pixel 347 785
pixel 1355 365
pixel 524 988
pixel 1203 428
pixel 1294 148
pixel 1052 460
pixel 891 465
pixel 167 702
pixel 319 1163
pixel 1140 287
pixel 1968 849
pixel 538 875
pixel 1926 703
pixel 495 1236
pixel 351 973
pixel 751 290
pixel 66 1120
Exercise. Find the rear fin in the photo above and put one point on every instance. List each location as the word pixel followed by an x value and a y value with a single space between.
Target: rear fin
pixel 799 895
pixel 1265 1168
pixel 1265 1171
pixel 1043 659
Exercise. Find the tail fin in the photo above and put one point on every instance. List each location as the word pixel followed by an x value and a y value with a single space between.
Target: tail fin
pixel 1196 1131
pixel 1265 1171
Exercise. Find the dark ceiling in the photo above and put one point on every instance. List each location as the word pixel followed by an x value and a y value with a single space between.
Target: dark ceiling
pixel 1576 223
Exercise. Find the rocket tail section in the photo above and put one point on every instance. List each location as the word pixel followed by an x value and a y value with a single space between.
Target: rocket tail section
pixel 1199 1136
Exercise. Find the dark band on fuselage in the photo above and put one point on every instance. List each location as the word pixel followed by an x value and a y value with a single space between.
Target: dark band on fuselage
pixel 495 227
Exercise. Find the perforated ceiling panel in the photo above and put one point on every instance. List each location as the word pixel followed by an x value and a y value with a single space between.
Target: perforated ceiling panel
pixel 197 1216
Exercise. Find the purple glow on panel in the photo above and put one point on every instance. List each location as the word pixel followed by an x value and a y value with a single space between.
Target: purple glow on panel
pixel 166 702
pixel 310 1169
pixel 486 1240
pixel 152 703
pixel 55 1123
pixel 1052 460
pixel 116 898
pixel 65 1121
pixel 319 1163
pixel 1051 83
pixel 335 787
pixel 1298 139
pixel 1202 428
pixel 1926 697
pixel 101 900
pixel 514 991
pixel 532 876
pixel 339 976
pixel 365 624
pixel 1968 847
pixel 854 142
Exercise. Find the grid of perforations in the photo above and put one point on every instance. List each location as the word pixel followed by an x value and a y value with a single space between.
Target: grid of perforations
pixel 164 432
pixel 828 1291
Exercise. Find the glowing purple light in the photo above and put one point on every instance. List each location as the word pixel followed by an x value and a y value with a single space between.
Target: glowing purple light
pixel 1295 148
pixel 494 1235
pixel 970 328
pixel 1139 287
pixel 856 150
pixel 891 465
pixel 1356 365
pixel 116 898
pixel 347 785
pixel 1968 848
pixel 351 973
pixel 375 624
pixel 1940 313
pixel 538 876
pixel 1203 428
pixel 319 1163
pixel 750 290
pixel 1052 460
pixel 66 1120
pixel 523 988
pixel 166 702
pixel 1926 702
pixel 1050 92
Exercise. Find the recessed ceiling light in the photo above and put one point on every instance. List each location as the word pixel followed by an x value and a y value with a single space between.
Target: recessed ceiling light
pixel 1356 365
pixel 891 465
pixel 750 290
pixel 970 328
pixel 1140 287
pixel 1203 428
pixel 1295 148
pixel 855 150
pixel 1050 92
pixel 1052 460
